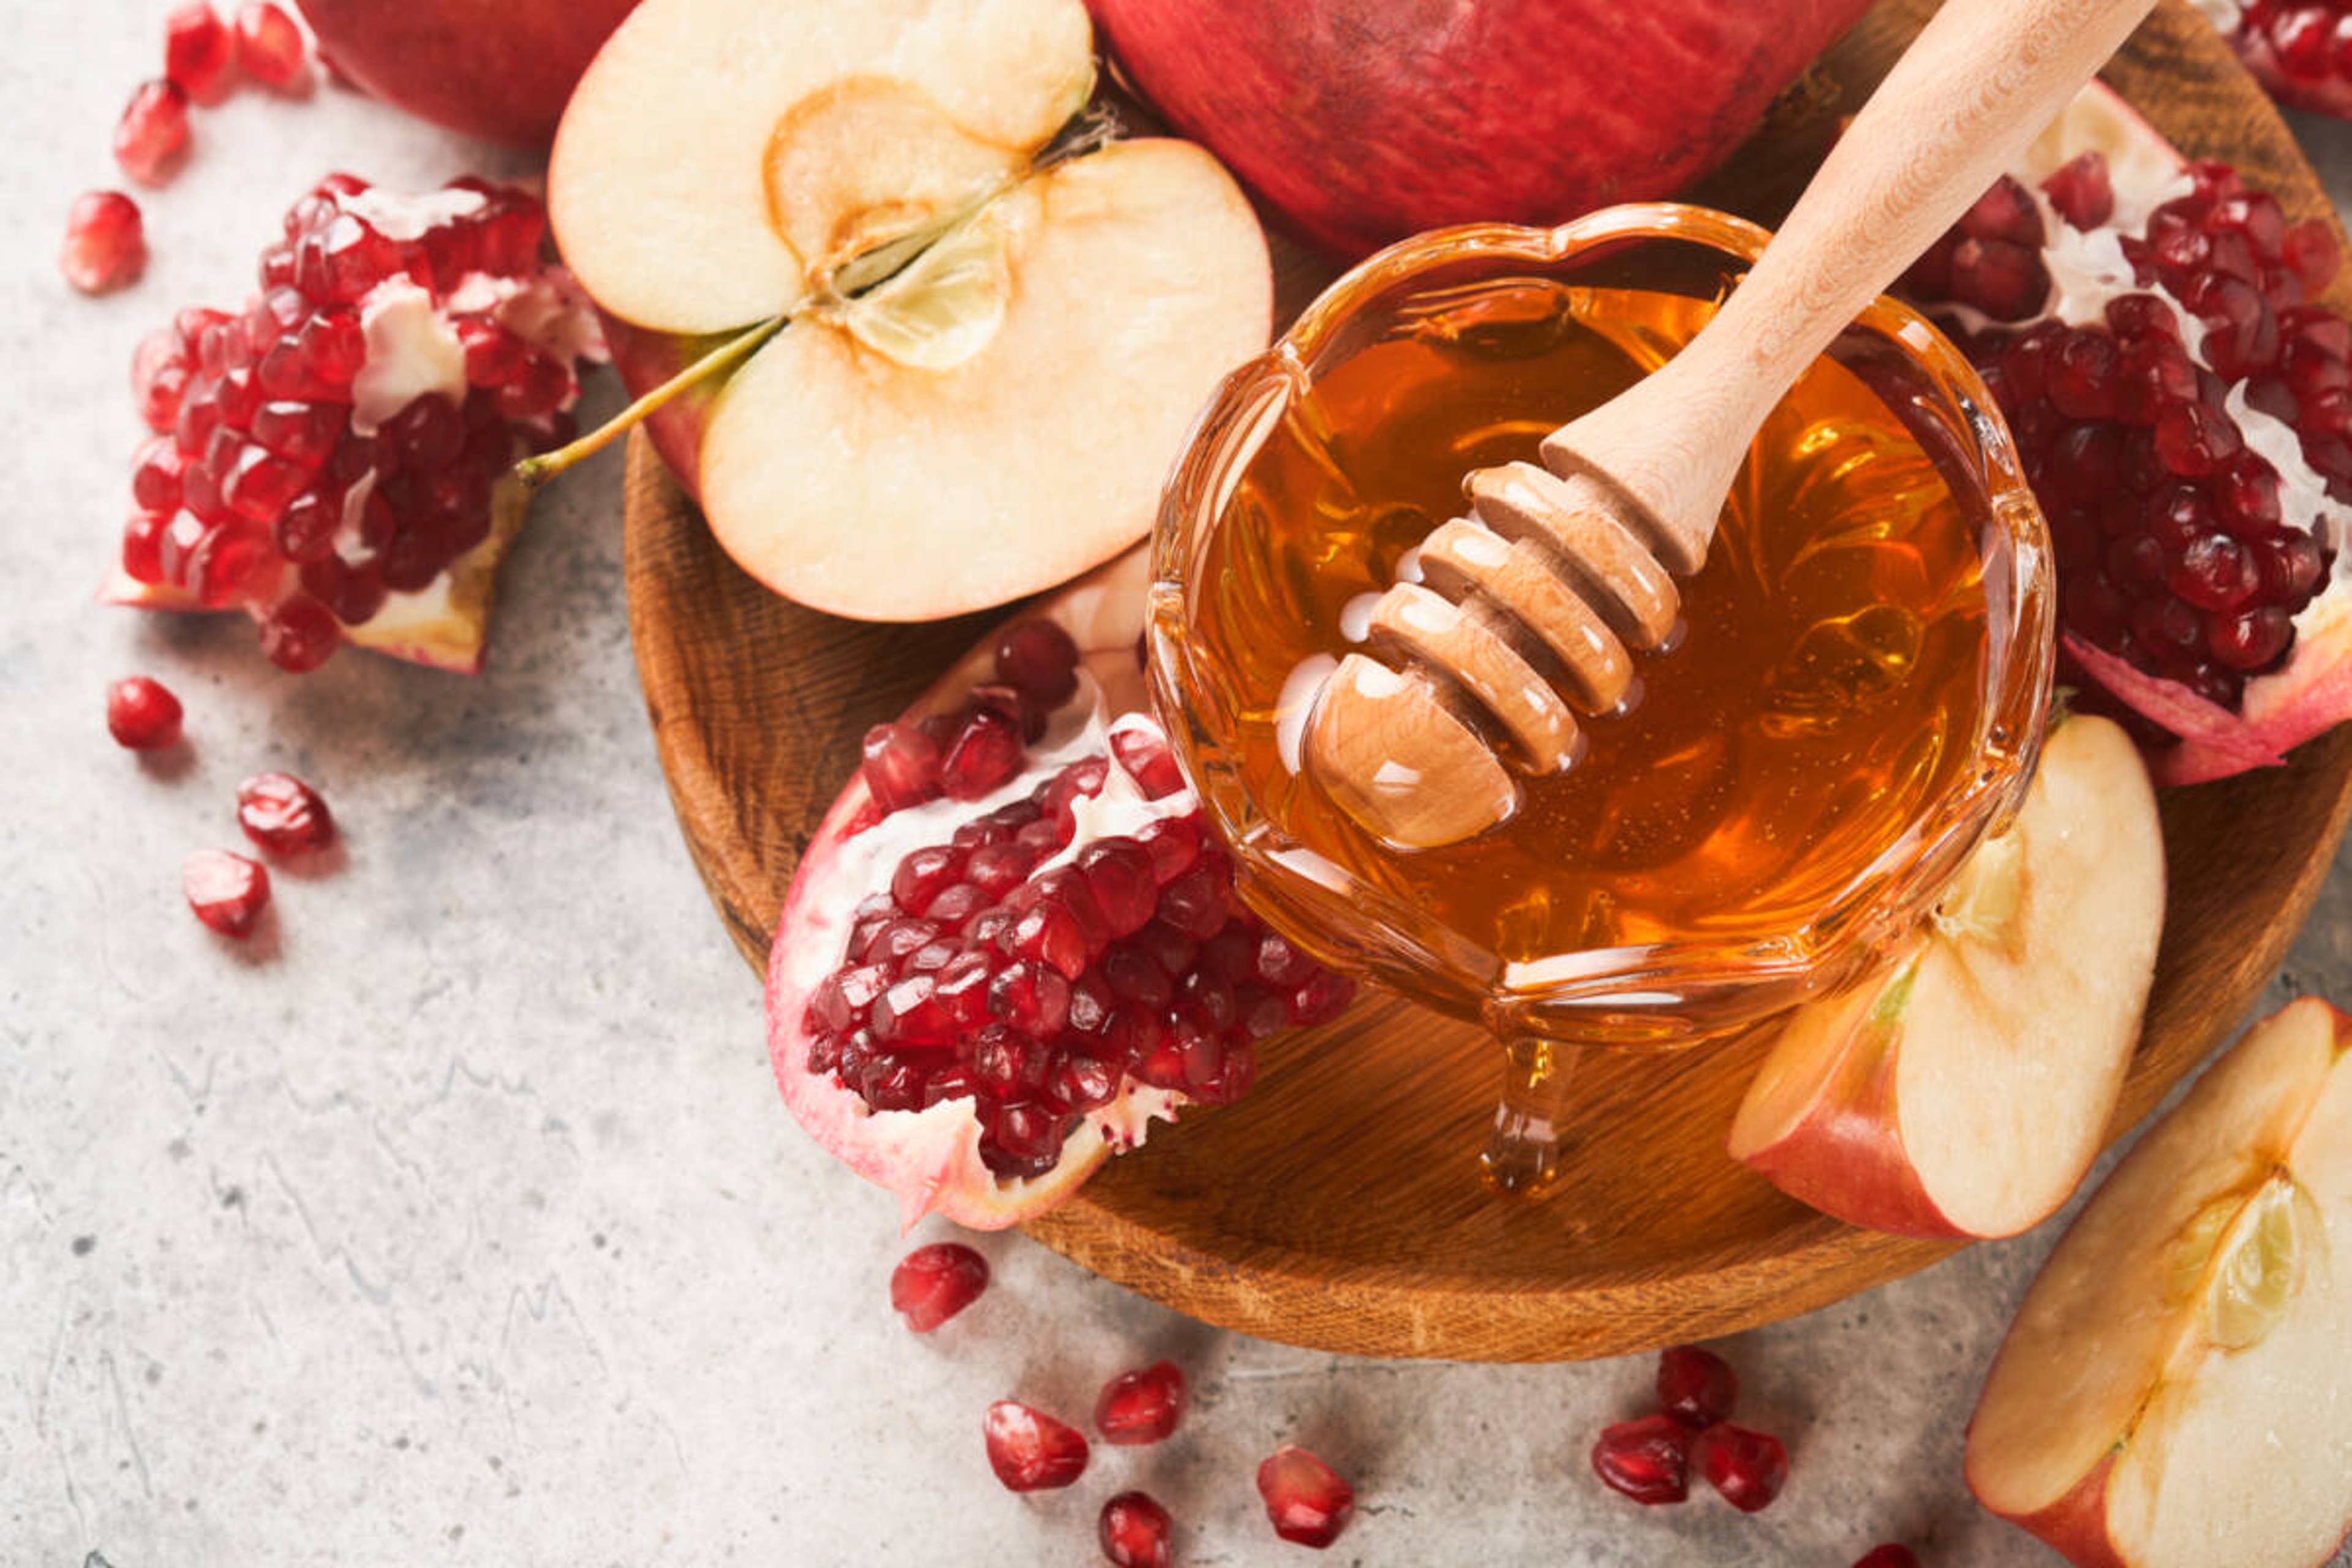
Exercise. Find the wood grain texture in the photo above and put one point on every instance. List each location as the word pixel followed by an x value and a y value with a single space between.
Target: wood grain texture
pixel 1338 1208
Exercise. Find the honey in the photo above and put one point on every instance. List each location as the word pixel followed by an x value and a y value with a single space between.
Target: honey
pixel 1824 689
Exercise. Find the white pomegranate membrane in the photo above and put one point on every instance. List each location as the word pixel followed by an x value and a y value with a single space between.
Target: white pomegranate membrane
pixel 1044 933
pixel 341 440
pixel 2184 418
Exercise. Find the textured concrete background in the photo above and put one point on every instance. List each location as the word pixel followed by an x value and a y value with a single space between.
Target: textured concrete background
pixel 457 1220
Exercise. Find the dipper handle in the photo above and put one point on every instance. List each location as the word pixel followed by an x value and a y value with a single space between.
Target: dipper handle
pixel 1420 737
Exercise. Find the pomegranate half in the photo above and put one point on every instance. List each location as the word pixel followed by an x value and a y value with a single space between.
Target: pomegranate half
pixel 1011 945
pixel 2183 408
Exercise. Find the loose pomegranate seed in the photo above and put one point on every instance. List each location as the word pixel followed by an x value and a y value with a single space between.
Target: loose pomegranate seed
pixel 1748 1468
pixel 142 715
pixel 198 52
pixel 270 46
pixel 1890 1555
pixel 1030 1451
pixel 105 243
pixel 283 814
pixel 1136 1533
pixel 1143 1406
pixel 1038 660
pixel 1306 1500
pixel 1696 1387
pixel 933 1283
pixel 151 137
pixel 1648 1460
pixel 227 891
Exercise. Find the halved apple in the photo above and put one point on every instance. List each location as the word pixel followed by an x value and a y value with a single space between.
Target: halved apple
pixel 1962 1089
pixel 2174 1393
pixel 988 357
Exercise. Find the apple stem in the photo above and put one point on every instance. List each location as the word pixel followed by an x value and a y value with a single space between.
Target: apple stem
pixel 538 470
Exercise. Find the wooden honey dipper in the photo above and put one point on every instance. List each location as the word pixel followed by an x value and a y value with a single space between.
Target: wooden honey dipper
pixel 1525 607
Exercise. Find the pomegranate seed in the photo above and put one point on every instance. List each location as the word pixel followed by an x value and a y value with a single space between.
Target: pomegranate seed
pixel 143 546
pixel 1149 761
pixel 1139 1407
pixel 227 891
pixel 2005 281
pixel 2006 213
pixel 1696 1387
pixel 270 46
pixel 1031 1451
pixel 283 814
pixel 1890 1555
pixel 105 243
pixel 1748 1468
pixel 1038 660
pixel 902 766
pixel 1136 1533
pixel 153 135
pixel 1306 1500
pixel 933 1283
pixel 141 714
pixel 198 52
pixel 984 756
pixel 158 373
pixel 300 635
pixel 2081 192
pixel 1648 1460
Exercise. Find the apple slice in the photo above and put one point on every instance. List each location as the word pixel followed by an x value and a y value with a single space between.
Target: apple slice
pixel 958 370
pixel 1962 1089
pixel 2172 1394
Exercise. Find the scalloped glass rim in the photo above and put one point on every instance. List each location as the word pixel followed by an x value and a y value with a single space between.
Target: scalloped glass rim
pixel 1667 994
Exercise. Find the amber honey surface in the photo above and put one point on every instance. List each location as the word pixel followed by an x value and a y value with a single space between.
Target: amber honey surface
pixel 1824 685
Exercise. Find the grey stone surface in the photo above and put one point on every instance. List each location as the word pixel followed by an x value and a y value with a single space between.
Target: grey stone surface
pixel 456 1221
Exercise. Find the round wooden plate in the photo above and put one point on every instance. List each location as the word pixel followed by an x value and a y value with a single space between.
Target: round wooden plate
pixel 1339 1206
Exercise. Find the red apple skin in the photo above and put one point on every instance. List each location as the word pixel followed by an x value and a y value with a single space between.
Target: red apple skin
pixel 645 359
pixel 2075 1526
pixel 1360 122
pixel 500 69
pixel 1845 1158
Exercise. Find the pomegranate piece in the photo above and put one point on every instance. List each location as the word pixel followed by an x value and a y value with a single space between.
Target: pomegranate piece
pixel 296 486
pixel 269 46
pixel 2174 549
pixel 1892 1554
pixel 1136 1533
pixel 151 137
pixel 1648 1460
pixel 105 243
pixel 1748 1468
pixel 1696 1387
pixel 933 1283
pixel 141 714
pixel 199 53
pixel 227 891
pixel 1306 1500
pixel 283 814
pixel 1031 1451
pixel 1142 1407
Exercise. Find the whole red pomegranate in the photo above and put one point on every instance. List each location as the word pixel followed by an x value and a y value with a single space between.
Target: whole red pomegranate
pixel 1363 120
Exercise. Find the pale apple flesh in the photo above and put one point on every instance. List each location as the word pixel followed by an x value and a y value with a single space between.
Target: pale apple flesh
pixel 956 438
pixel 2173 1394
pixel 444 625
pixel 720 154
pixel 1963 1090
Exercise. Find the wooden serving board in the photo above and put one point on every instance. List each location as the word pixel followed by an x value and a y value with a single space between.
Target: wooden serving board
pixel 1339 1206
